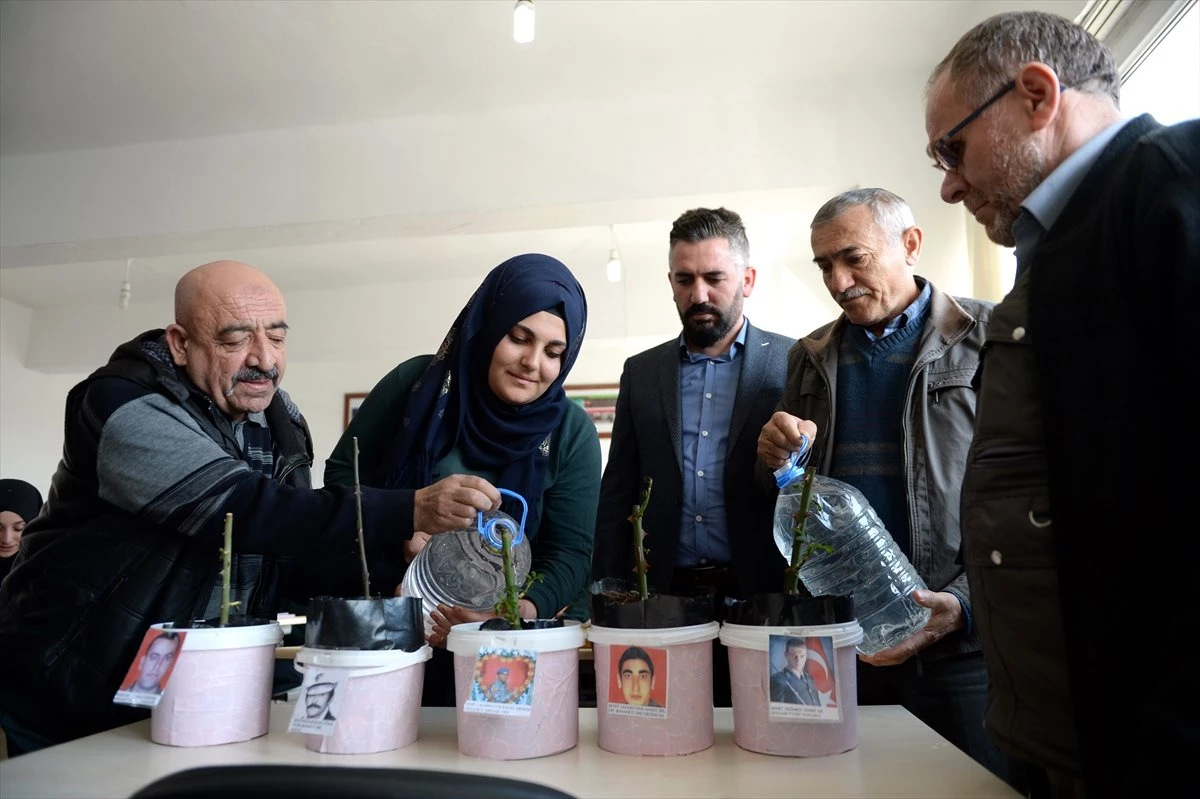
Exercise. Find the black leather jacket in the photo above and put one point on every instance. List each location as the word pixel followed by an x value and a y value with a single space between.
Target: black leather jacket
pixel 91 577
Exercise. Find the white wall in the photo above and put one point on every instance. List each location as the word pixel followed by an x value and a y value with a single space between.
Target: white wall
pixel 497 159
pixel 31 405
pixel 789 136
pixel 801 134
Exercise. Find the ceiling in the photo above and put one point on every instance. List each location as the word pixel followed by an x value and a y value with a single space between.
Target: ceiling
pixel 89 74
pixel 96 73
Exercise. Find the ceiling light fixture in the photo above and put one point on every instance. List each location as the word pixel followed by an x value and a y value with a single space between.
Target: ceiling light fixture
pixel 126 289
pixel 613 268
pixel 523 22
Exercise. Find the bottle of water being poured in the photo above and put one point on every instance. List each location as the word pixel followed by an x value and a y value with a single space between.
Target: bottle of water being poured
pixel 864 562
pixel 465 568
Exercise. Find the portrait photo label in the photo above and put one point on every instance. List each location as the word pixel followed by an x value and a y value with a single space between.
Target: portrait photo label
pixel 321 695
pixel 151 668
pixel 637 683
pixel 503 682
pixel 803 680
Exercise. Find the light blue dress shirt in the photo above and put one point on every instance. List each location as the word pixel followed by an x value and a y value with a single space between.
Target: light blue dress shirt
pixel 707 389
pixel 1045 204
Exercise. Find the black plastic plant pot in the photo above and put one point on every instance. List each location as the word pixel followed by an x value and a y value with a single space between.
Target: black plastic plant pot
pixel 788 610
pixel 368 624
pixel 616 603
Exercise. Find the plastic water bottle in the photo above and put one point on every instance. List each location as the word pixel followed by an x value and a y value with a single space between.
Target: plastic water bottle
pixel 865 562
pixel 465 568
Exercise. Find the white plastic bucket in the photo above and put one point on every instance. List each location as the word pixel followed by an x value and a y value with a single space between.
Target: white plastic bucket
pixel 381 709
pixel 749 674
pixel 684 723
pixel 219 691
pixel 552 724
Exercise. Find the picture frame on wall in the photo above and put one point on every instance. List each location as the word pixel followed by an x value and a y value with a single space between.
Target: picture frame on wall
pixel 600 402
pixel 352 404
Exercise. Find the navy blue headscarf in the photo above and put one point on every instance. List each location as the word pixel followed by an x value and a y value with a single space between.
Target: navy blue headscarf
pixel 21 498
pixel 453 405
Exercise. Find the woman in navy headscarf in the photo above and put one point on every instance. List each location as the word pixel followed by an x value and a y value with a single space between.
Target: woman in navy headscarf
pixel 20 504
pixel 489 410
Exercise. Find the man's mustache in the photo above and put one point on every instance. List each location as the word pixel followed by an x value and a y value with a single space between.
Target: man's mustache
pixel 699 309
pixel 849 294
pixel 251 374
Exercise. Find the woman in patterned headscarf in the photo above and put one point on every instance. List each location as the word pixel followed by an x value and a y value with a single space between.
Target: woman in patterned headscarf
pixel 491 404
pixel 20 503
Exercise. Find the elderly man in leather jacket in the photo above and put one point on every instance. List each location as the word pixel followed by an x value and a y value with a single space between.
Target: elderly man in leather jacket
pixel 182 426
pixel 884 393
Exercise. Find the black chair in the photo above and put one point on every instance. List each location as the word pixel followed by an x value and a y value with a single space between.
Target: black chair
pixel 320 782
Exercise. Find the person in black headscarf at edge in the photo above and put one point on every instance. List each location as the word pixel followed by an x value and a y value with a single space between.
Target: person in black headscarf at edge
pixel 489 411
pixel 20 503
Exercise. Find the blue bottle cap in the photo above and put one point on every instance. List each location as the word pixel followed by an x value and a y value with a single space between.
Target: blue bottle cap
pixel 492 529
pixel 793 468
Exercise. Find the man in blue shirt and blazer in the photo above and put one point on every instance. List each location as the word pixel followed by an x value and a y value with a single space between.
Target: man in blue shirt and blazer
pixel 688 415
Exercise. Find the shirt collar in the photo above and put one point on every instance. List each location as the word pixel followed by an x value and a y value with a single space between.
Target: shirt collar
pixel 258 417
pixel 1046 202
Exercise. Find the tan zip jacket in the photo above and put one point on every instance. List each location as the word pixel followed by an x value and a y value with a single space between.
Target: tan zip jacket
pixel 939 419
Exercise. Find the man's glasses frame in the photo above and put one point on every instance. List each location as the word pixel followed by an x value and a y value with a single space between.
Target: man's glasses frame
pixel 947 157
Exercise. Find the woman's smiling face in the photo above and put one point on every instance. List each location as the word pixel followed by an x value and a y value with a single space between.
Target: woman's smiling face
pixel 528 359
pixel 11 527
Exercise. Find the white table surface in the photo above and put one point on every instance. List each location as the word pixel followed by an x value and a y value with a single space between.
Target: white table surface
pixel 897 756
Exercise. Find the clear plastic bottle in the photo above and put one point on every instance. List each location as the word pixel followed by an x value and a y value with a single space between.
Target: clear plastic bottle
pixel 865 562
pixel 465 568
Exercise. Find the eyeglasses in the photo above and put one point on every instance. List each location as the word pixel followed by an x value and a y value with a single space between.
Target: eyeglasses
pixel 947 155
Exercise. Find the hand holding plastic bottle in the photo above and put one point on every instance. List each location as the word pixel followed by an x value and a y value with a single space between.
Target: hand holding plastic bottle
pixel 859 557
pixel 782 435
pixel 947 616
pixel 460 574
pixel 452 503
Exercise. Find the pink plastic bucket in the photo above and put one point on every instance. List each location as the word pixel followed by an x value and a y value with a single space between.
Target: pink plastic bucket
pixel 552 723
pixel 684 723
pixel 219 691
pixel 381 710
pixel 754 728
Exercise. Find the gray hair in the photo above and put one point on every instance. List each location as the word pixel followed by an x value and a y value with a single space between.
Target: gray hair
pixel 989 55
pixel 701 224
pixel 889 210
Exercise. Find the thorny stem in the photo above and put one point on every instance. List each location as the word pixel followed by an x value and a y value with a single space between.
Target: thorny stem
pixel 362 546
pixel 802 548
pixel 509 608
pixel 226 567
pixel 639 540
